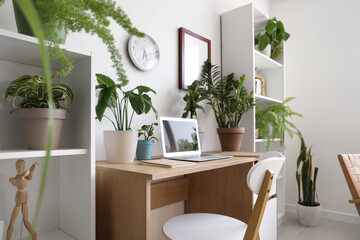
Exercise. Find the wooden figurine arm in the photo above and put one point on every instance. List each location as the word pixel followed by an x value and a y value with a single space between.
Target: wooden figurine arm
pixel 32 169
pixel 16 180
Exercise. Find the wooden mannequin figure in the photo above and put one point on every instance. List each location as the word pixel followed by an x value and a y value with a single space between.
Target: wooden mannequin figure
pixel 20 182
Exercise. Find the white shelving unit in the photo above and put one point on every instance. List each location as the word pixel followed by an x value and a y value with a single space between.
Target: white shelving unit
pixel 68 208
pixel 239 56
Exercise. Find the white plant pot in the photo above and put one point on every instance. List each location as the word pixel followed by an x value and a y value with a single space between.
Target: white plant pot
pixel 266 51
pixel 309 216
pixel 120 146
pixel 202 135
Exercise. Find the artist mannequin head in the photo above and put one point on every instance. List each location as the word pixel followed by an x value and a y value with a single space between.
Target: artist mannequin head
pixel 20 166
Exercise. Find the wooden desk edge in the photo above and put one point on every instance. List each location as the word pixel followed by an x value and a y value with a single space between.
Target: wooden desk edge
pixel 153 172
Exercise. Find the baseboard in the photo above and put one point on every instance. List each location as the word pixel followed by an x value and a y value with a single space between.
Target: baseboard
pixel 328 214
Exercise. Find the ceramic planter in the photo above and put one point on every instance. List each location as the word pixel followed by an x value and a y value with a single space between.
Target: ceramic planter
pixel 120 146
pixel 24 27
pixel 144 149
pixel 308 216
pixel 35 122
pixel 231 138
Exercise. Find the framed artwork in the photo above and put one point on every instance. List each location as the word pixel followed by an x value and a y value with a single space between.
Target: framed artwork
pixel 193 51
pixel 261 80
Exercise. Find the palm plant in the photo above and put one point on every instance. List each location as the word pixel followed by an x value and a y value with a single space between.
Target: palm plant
pixel 119 103
pixel 306 175
pixel 34 93
pixel 227 96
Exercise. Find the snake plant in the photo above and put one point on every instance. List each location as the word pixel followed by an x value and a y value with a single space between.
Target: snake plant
pixel 306 175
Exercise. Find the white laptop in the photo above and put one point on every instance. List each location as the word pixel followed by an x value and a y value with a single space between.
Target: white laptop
pixel 180 140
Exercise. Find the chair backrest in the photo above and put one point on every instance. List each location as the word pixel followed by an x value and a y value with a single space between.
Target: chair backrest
pixel 257 172
pixel 260 181
pixel 270 154
pixel 350 164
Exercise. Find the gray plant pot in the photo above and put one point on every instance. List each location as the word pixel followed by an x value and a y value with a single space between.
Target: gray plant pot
pixel 308 216
pixel 35 122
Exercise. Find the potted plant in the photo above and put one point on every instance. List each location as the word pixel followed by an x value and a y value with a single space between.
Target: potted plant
pixel 274 35
pixel 34 108
pixel 308 210
pixel 145 147
pixel 192 99
pixel 93 17
pixel 120 145
pixel 229 100
pixel 273 121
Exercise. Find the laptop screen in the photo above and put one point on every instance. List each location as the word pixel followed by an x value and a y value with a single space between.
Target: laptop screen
pixel 179 135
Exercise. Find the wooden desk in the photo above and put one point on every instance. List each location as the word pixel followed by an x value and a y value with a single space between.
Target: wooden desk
pixel 126 193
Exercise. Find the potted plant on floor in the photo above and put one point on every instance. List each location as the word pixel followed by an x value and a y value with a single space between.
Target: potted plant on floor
pixel 273 121
pixel 145 147
pixel 229 100
pixel 192 99
pixel 34 108
pixel 308 209
pixel 274 35
pixel 92 16
pixel 120 145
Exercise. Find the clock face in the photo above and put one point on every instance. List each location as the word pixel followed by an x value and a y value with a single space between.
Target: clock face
pixel 144 52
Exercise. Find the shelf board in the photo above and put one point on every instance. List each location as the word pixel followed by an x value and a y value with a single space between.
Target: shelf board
pixel 53 235
pixel 264 101
pixel 24 153
pixel 263 62
pixel 260 19
pixel 27 49
pixel 263 140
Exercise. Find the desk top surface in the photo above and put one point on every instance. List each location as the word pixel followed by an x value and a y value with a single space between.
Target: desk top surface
pixel 136 169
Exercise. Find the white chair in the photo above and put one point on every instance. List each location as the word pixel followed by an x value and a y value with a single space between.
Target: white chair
pixel 206 226
pixel 271 154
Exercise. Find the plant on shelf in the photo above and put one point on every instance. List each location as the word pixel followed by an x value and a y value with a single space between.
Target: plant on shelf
pixel 91 16
pixel 273 121
pixel 145 147
pixel 274 35
pixel 229 100
pixel 118 101
pixel 34 107
pixel 306 175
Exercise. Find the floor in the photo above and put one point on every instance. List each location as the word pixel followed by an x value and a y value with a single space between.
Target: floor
pixel 327 230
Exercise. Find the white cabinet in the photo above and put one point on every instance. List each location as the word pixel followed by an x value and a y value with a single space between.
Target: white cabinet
pixel 68 208
pixel 238 29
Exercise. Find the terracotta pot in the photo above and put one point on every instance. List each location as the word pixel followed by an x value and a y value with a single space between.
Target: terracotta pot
pixel 35 122
pixel 231 138
pixel 120 146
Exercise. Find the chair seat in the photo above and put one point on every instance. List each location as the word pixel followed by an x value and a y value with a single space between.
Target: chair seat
pixel 204 226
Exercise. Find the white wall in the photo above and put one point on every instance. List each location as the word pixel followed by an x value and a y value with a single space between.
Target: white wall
pixel 322 72
pixel 161 20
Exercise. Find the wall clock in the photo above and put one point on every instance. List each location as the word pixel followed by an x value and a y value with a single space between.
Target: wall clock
pixel 144 52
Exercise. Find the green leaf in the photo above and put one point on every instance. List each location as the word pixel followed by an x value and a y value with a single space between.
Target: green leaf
pixel 264 40
pixel 270 27
pixel 137 102
pixel 103 79
pixel 280 27
pixel 286 36
pixel 104 97
pixel 144 89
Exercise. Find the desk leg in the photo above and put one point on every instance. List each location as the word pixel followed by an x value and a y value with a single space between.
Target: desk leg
pixel 221 191
pixel 122 207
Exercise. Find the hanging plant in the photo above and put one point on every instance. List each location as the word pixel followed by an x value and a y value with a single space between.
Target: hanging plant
pixel 90 16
